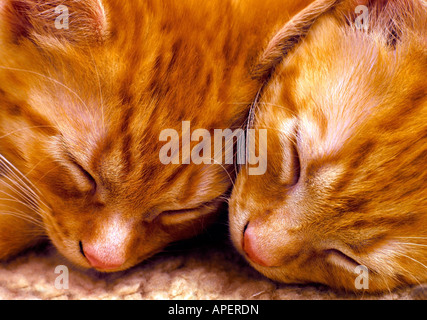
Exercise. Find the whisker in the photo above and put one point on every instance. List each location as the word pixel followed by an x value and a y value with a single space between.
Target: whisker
pixel 21 191
pixel 422 238
pixel 415 260
pixel 415 278
pixel 13 199
pixel 49 79
pixel 224 168
pixel 385 282
pixel 31 206
pixel 21 212
pixel 31 187
pixel 30 199
pixel 36 165
pixel 414 244
pixel 23 217
pixel 22 129
pixel 46 173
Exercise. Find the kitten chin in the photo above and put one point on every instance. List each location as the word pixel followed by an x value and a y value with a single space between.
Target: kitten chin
pixel 343 200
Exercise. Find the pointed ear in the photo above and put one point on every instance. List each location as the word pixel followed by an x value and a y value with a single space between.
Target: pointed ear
pixel 290 36
pixel 44 22
pixel 387 17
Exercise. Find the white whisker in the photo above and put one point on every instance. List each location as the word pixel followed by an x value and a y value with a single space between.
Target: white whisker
pixel 49 79
pixel 23 129
pixel 13 199
pixel 414 244
pixel 422 238
pixel 414 260
pixel 31 187
pixel 223 167
pixel 21 191
pixel 24 217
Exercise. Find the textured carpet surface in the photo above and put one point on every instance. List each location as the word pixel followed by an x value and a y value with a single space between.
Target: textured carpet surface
pixel 199 269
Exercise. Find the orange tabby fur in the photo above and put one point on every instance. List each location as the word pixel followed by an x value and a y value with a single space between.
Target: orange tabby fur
pixel 346 185
pixel 82 110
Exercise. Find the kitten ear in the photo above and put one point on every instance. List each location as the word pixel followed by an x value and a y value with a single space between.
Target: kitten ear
pixel 46 22
pixel 386 17
pixel 297 29
pixel 290 36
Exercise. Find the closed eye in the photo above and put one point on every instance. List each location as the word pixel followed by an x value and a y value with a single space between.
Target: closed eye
pixel 296 163
pixel 179 216
pixel 181 211
pixel 85 177
pixel 175 217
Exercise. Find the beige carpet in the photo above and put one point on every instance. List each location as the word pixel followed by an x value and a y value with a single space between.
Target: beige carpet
pixel 205 268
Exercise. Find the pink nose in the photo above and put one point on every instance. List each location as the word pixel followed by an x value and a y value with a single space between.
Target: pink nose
pixel 254 250
pixel 102 259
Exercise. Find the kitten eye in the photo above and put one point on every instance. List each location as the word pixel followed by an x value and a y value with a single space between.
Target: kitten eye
pixel 181 211
pixel 88 177
pixel 84 178
pixel 293 162
pixel 174 217
pixel 296 164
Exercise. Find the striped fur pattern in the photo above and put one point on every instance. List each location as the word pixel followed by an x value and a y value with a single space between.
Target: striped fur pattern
pixel 82 111
pixel 346 184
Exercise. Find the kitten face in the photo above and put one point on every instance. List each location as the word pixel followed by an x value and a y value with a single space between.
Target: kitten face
pixel 82 115
pixel 346 184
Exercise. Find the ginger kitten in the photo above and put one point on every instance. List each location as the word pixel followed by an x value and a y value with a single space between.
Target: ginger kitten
pixel 346 184
pixel 85 92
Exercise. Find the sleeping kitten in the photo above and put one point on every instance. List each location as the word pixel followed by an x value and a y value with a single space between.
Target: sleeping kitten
pixel 346 185
pixel 85 92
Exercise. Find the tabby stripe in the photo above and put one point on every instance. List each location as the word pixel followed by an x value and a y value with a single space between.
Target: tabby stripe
pixel 174 176
pixel 399 118
pixel 362 153
pixel 126 119
pixel 127 154
pixel 175 50
pixel 23 110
